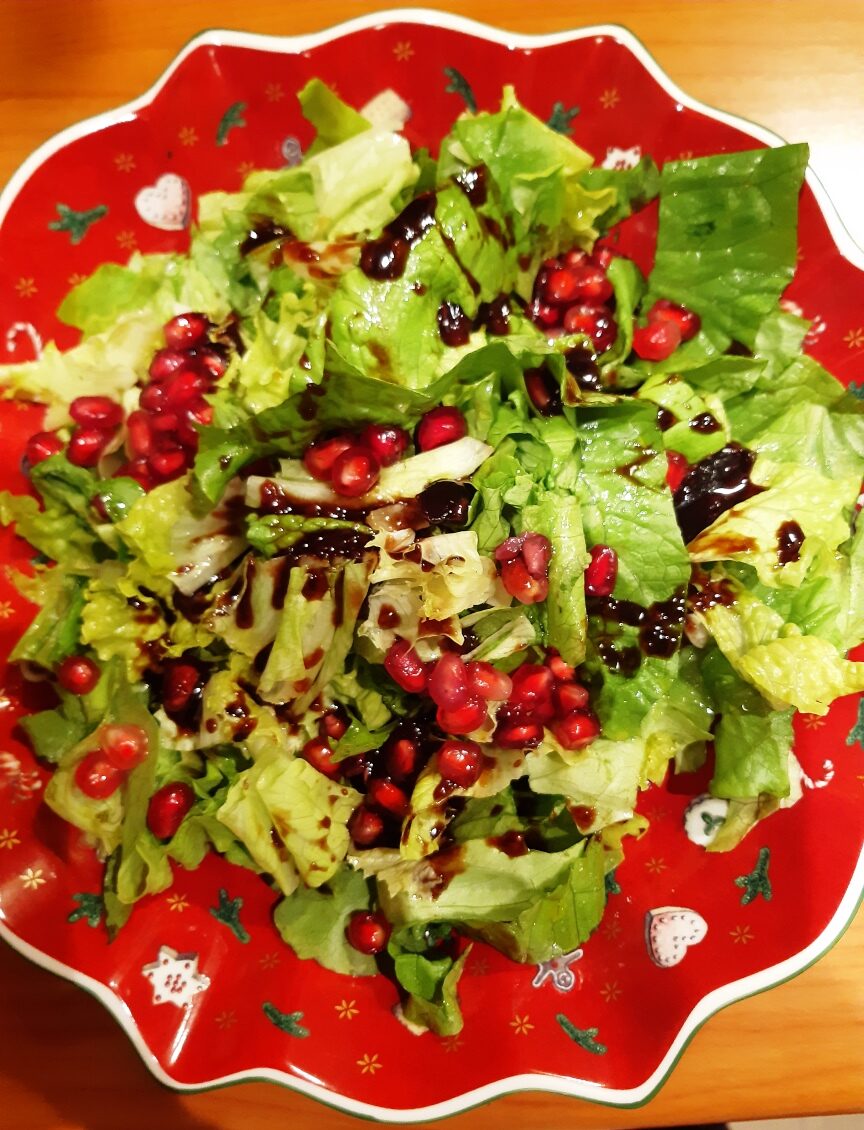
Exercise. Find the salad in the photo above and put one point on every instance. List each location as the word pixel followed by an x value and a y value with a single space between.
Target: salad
pixel 393 538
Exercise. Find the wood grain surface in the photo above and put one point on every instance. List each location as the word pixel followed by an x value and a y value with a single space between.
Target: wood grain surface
pixel 792 65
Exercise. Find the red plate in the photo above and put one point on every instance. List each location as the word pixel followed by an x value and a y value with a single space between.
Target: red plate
pixel 200 979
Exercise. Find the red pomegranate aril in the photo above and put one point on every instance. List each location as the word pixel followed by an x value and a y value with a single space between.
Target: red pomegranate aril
pixel 591 284
pixel 403 757
pixel 332 725
pixel 602 256
pixel 78 674
pixel 387 442
pixel 320 756
pixel 677 467
pixel 319 456
pixel 687 321
pixel 560 668
pixel 96 412
pixel 365 826
pixel 460 762
pixel 601 572
pixel 152 398
pixel 168 808
pixel 489 682
pixel 198 411
pixel 448 682
pixel 96 777
pixel 533 685
pixel 367 932
pixel 354 472
pixel 185 331
pixel 138 470
pixel 543 391
pixel 438 427
pixel 575 257
pixel 167 362
pixel 576 729
pixel 595 322
pixel 544 315
pixel 210 363
pixel 167 464
pixel 537 553
pixel 124 745
pixel 406 668
pixel 86 446
pixel 521 585
pixel 183 388
pixel 139 434
pixel 179 682
pixel 463 719
pixel 510 548
pixel 41 446
pixel 386 795
pixel 656 341
pixel 164 423
pixel 560 286
pixel 571 696
pixel 516 733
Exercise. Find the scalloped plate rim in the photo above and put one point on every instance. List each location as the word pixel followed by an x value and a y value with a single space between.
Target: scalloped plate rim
pixel 714 1001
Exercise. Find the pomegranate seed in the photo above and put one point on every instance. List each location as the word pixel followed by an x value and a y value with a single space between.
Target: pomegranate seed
pixel 184 387
pixel 536 553
pixel 165 423
pixel 365 826
pixel 152 398
pixel 139 436
pixel 591 284
pixel 571 696
pixel 86 446
pixel 687 321
pixel 385 794
pixel 560 669
pixel 462 719
pixel 532 691
pixel 96 777
pixel 521 585
pixel 41 446
pixel 510 548
pixel 576 730
pixel 601 572
pixel 99 508
pixel 319 456
pixel 320 756
pixel 595 322
pixel 515 733
pixel 575 257
pixel 355 472
pixel 560 286
pixel 602 256
pixel 78 674
pixel 460 762
pixel 405 667
pixel 332 725
pixel 676 468
pixel 168 807
pixel 543 315
pixel 179 683
pixel 198 411
pixel 167 464
pixel 440 426
pixel 125 746
pixel 489 682
pixel 185 331
pixel 167 362
pixel 656 341
pixel 210 363
pixel 402 758
pixel 448 683
pixel 138 470
pixel 367 932
pixel 387 442
pixel 543 391
pixel 96 412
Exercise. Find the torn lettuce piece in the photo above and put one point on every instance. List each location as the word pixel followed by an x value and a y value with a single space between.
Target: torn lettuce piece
pixel 602 780
pixel 312 921
pixel 429 976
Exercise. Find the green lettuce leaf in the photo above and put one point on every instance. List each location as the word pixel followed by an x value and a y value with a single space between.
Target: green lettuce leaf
pixel 313 921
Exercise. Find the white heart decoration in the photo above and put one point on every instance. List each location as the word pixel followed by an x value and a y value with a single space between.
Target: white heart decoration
pixel 165 204
pixel 670 931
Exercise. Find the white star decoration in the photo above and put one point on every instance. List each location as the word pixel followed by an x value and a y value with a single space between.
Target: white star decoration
pixel 175 977
pixel 558 971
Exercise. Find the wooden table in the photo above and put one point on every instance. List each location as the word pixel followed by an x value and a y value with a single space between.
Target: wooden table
pixel 792 65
